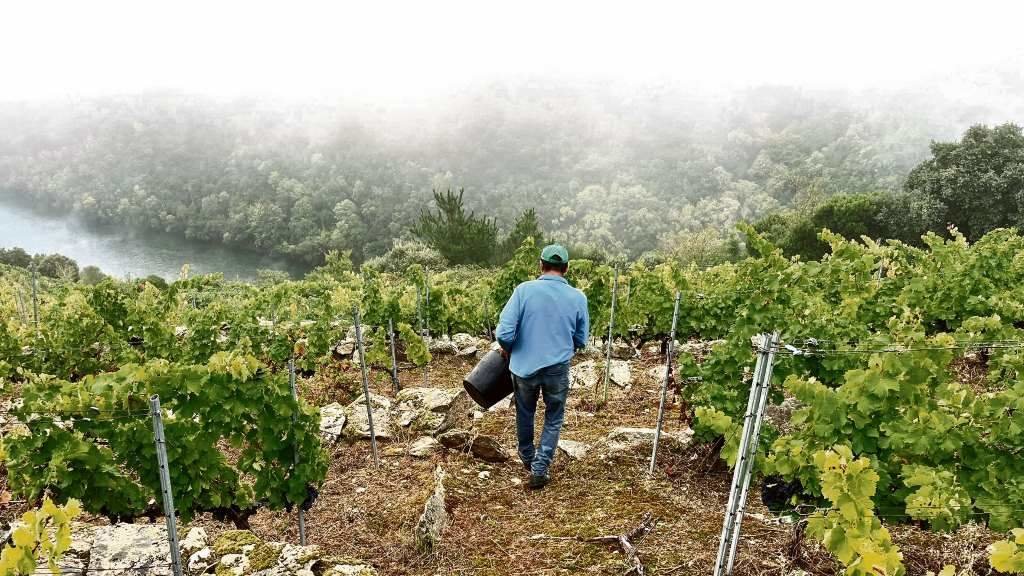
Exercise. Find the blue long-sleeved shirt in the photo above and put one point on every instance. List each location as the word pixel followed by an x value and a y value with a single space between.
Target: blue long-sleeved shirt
pixel 543 324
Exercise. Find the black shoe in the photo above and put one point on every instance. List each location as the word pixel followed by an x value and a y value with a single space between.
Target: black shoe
pixel 538 482
pixel 528 468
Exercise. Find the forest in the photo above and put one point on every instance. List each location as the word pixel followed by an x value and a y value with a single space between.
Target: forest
pixel 611 173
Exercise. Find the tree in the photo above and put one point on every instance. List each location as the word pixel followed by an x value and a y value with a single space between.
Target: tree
pixel 462 238
pixel 405 253
pixel 978 181
pixel 91 275
pixel 704 249
pixel 525 226
pixel 15 257
pixel 56 266
pixel 851 215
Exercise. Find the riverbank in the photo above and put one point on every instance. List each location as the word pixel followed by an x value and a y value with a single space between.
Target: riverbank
pixel 123 252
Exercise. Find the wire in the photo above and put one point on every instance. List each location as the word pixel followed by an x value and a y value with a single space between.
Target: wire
pixel 897 348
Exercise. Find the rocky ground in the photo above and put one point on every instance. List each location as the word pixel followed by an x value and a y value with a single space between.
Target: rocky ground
pixel 449 494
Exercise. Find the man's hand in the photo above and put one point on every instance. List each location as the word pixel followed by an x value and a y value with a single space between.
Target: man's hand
pixel 504 353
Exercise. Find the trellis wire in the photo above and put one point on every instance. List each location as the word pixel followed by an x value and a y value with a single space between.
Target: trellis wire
pixel 366 384
pixel 295 396
pixel 165 484
pixel 664 382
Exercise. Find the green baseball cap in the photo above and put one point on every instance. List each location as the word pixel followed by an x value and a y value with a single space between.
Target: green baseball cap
pixel 554 254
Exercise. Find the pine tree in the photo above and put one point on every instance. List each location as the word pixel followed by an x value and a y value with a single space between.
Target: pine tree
pixel 460 237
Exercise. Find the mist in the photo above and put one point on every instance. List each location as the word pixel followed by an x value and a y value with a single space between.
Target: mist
pixel 292 130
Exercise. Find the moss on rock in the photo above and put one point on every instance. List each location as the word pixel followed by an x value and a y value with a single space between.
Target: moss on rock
pixel 232 542
pixel 264 556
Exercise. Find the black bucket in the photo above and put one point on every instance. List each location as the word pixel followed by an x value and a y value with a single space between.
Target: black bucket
pixel 490 381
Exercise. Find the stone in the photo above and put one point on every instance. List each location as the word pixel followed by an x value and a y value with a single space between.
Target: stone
pixel 442 345
pixel 127 549
pixel 424 447
pixel 234 564
pixel 584 375
pixel 434 519
pixel 345 349
pixel 480 445
pixel 181 332
pixel 291 560
pixel 427 410
pixel 573 449
pixel 332 422
pixel 233 542
pixel 619 373
pixel 469 351
pixel 357 426
pixel 484 475
pixel 463 340
pixel 628 439
pixel 350 568
pixel 199 561
pixel 194 541
pixel 501 405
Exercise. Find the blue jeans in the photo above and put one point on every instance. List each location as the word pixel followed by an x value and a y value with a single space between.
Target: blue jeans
pixel 553 382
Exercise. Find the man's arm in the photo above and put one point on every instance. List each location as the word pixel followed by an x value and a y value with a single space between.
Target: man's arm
pixel 582 333
pixel 508 322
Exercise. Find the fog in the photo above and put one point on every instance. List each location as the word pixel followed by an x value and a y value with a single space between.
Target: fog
pixel 296 128
pixel 403 52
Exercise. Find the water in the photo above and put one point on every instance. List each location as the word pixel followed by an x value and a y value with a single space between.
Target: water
pixel 119 253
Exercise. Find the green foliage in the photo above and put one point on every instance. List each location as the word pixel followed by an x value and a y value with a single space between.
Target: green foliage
pixel 525 226
pixel 414 346
pixel 91 275
pixel 975 183
pixel 797 232
pixel 462 238
pixel 106 457
pixel 721 425
pixel 43 533
pixel 850 530
pixel 1008 555
pixel 405 253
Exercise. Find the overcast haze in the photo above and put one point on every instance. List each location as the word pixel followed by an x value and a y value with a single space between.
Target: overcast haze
pixel 403 51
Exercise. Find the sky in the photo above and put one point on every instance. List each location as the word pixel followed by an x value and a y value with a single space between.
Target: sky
pixel 405 51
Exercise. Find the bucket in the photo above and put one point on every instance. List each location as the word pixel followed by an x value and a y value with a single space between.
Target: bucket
pixel 490 381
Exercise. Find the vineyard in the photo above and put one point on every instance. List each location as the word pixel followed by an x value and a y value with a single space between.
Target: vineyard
pixel 901 369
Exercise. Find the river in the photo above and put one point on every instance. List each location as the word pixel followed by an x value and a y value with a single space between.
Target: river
pixel 119 253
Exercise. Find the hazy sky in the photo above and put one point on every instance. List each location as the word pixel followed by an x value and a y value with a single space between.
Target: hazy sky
pixel 407 50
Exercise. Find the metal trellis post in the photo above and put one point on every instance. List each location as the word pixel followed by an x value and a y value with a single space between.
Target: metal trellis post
pixel 35 301
pixel 426 323
pixel 366 385
pixel 664 383
pixel 394 357
pixel 295 396
pixel 611 325
pixel 165 483
pixel 746 454
pixel 487 320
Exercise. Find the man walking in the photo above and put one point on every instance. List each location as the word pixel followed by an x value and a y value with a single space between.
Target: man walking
pixel 541 327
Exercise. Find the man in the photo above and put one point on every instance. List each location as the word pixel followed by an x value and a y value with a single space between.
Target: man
pixel 541 327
